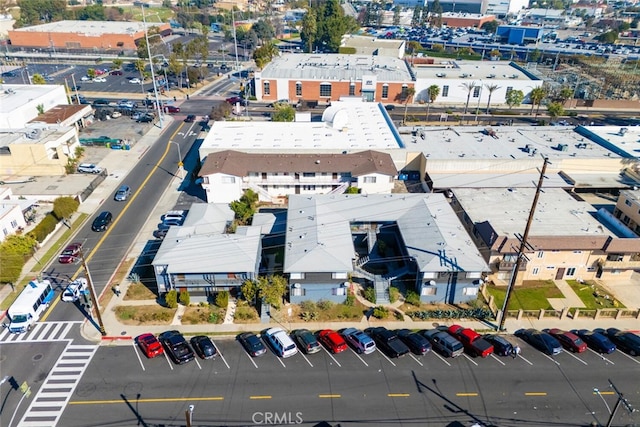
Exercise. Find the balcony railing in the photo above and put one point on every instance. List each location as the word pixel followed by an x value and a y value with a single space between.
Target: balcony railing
pixel 508 265
pixel 619 265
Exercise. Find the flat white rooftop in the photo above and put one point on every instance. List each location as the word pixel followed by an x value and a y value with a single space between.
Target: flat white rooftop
pixel 472 70
pixel 13 97
pixel 90 28
pixel 624 140
pixel 331 67
pixel 346 126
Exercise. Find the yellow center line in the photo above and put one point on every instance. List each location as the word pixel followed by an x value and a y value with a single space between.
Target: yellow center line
pixel 156 400
pixel 259 397
pixel 466 394
pixel 329 396
pixel 536 393
pixel 604 392
pixel 398 394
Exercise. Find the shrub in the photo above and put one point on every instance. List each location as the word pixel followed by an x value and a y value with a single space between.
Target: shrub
pixel 185 298
pixel 370 294
pixel 350 300
pixel 213 317
pixel 380 312
pixel 44 227
pixel 171 298
pixel 308 305
pixel 309 316
pixel 413 298
pixel 398 315
pixel 394 294
pixel 64 207
pixel 324 305
pixel 222 299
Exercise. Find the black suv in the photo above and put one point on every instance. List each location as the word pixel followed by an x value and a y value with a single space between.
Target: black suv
pixel 625 340
pixel 176 347
pixel 102 221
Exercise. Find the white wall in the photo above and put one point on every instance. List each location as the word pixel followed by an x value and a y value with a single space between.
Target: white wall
pixel 458 94
pixel 219 190
pixel 383 184
pixel 11 219
pixel 26 105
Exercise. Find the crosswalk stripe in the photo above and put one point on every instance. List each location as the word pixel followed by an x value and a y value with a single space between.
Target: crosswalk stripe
pixel 40 332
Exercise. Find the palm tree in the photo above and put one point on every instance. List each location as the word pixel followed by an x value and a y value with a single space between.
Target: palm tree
pixel 491 88
pixel 537 95
pixel 469 86
pixel 432 93
pixel 406 95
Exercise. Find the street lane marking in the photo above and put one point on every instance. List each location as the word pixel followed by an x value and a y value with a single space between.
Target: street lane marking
pixel 155 400
pixel 398 394
pixel 385 356
pixel 601 356
pixel 221 356
pixel 604 392
pixel 259 397
pixel 358 356
pixel 466 394
pixel 536 393
pixel 470 359
pixel 575 357
pixel 414 358
pixel 497 360
pixel 135 350
pixel 331 356
pixel 329 396
pixel 440 357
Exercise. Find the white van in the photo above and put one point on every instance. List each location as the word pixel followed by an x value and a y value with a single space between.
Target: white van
pixel 29 306
pixel 281 343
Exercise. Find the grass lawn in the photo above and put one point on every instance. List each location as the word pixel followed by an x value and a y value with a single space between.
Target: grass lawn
pixel 138 291
pixel 201 315
pixel 144 314
pixel 152 15
pixel 531 295
pixel 587 292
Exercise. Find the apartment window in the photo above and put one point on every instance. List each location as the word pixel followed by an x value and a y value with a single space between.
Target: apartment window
pixel 352 89
pixel 14 223
pixel 309 174
pixel 470 291
pixel 509 89
pixel 445 91
pixel 429 290
pixel 551 267
pixel 266 88
pixel 325 89
pixel 385 91
pixel 297 290
pixel 5 232
pixel 296 276
pixel 476 91
pixel 535 271
pixel 403 94
pixel 228 179
pixel 298 89
pixel 577 252
pixel 540 254
pixel 342 275
pixel 571 271
pixel 339 291
pixel 369 179
pixel 627 202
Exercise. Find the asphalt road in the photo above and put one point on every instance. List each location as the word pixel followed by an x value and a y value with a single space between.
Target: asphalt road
pixel 352 389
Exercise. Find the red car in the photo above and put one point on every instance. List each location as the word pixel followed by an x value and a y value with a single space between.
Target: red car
pixel 332 340
pixel 70 253
pixel 171 109
pixel 569 340
pixel 149 345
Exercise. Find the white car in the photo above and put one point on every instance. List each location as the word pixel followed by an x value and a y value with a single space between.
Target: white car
pixel 85 78
pixel 116 114
pixel 100 80
pixel 136 81
pixel 74 290
pixel 89 168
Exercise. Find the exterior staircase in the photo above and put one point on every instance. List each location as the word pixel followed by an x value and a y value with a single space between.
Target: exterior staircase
pixel 382 290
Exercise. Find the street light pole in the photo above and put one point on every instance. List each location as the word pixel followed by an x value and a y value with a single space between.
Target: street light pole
pixel 180 163
pixel 92 292
pixel 189 415
pixel 153 77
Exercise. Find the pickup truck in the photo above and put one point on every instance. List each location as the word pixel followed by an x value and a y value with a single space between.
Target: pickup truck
pixel 473 342
pixel 388 342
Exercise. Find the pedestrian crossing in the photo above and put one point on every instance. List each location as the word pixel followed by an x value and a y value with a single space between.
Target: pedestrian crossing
pixel 40 332
pixel 54 394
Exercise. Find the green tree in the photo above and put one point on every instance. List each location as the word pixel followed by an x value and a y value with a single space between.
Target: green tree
pixel 283 113
pixel 535 55
pixel 413 47
pixel 249 291
pixel 514 98
pixel 91 73
pixel 537 95
pixel 15 249
pixel 490 27
pixel 565 94
pixel 435 14
pixel 405 96
pixel 609 37
pixel 324 25
pixel 272 289
pixel 492 87
pixel 264 54
pixel 40 108
pixel 263 30
pixel 94 12
pixel 246 207
pixel 396 15
pixel 64 207
pixel 432 94
pixel 469 86
pixel 117 63
pixel 38 79
pixel 33 12
pixel 416 18
pixel 555 109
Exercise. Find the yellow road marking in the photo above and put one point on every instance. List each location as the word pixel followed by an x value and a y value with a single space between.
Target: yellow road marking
pixel 466 394
pixel 259 397
pixel 536 393
pixel 157 400
pixel 43 318
pixel 398 394
pixel 604 392
pixel 329 396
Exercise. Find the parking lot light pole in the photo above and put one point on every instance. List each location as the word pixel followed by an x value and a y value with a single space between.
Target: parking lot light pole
pixel 180 162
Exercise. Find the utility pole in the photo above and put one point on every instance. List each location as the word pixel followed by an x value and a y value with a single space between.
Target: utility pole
pixel 92 292
pixel 523 245
pixel 621 400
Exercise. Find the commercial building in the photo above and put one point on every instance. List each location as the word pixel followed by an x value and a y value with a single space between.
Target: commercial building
pixel 502 8
pixel 463 6
pixel 518 34
pixel 365 45
pixel 84 35
pixel 465 19
pixel 20 104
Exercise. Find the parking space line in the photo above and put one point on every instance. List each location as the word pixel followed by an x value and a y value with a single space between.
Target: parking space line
pixel 197 363
pixel 441 358
pixel 168 361
pixel 520 356
pixel 252 361
pixel 385 356
pixel 551 358
pixel 535 393
pixel 628 357
pixel 135 350
pixel 306 358
pixel 494 357
pixel 575 357
pixel 281 362
pixel 466 394
pixel 398 395
pixel 331 356
pixel 358 356
pixel 414 358
pixel 221 356
pixel 470 359
pixel 329 396
pixel 259 397
pixel 601 356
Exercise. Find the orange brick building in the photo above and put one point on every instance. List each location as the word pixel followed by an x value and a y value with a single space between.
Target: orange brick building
pixel 464 20
pixel 83 35
pixel 328 77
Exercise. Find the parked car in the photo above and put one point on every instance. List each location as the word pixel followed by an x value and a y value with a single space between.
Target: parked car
pixel 569 340
pixel 74 290
pixel 417 343
pixel 116 72
pixel 332 341
pixel 542 341
pixel 99 80
pixel 190 118
pixel 596 341
pixel 70 253
pixel 306 341
pixel 237 100
pixel 125 103
pixel 625 341
pixel 361 342
pixel 100 102
pixel 501 346
pixel 102 221
pixel 145 118
pixel 116 114
pixel 85 78
pixel 135 80
pixel 204 347
pixel 388 342
pixel 149 345
pixel 444 343
pixel 176 347
pixel 89 168
pixel 280 342
pixel 471 340
pixel 171 109
pixel 252 344
pixel 122 194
